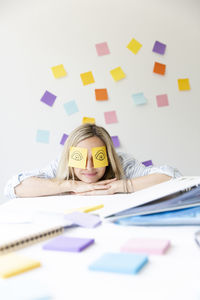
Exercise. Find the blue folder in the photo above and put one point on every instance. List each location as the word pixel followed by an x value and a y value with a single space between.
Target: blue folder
pixel 186 216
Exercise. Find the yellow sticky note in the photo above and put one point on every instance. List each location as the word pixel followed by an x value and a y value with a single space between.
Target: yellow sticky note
pixel 117 74
pixel 88 120
pixel 12 264
pixel 134 46
pixel 84 209
pixel 99 156
pixel 59 71
pixel 87 78
pixel 77 157
pixel 184 84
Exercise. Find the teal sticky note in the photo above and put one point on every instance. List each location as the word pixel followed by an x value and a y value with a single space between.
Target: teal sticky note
pixel 71 107
pixel 139 99
pixel 127 263
pixel 42 136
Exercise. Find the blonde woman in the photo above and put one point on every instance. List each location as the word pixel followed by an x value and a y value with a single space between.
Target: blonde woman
pixel 122 174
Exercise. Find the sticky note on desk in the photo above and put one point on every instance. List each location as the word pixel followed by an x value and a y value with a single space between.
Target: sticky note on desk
pixel 84 209
pixel 127 263
pixel 83 219
pixel 12 264
pixel 146 246
pixel 71 244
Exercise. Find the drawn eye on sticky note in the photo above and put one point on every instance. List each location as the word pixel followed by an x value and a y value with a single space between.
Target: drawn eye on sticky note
pixel 100 158
pixel 77 157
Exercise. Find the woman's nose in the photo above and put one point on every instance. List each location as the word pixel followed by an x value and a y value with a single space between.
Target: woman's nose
pixel 90 164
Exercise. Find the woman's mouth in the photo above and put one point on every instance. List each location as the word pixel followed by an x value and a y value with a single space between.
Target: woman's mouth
pixel 90 174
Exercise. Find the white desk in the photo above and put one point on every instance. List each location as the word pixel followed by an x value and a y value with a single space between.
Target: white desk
pixel 174 275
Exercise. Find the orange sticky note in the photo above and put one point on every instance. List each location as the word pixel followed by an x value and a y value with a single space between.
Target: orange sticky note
pixel 88 120
pixel 134 46
pixel 59 71
pixel 159 68
pixel 184 84
pixel 87 78
pixel 117 74
pixel 101 94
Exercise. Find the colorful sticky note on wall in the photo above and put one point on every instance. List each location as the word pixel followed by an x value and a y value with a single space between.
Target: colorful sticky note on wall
pixel 63 139
pixel 87 78
pixel 102 49
pixel 117 74
pixel 184 84
pixel 159 68
pixel 147 163
pixel 59 71
pixel 13 264
pixel 162 100
pixel 110 117
pixel 128 263
pixel 99 156
pixel 159 47
pixel 48 98
pixel 88 120
pixel 101 94
pixel 42 136
pixel 134 46
pixel 71 107
pixel 139 99
pixel 115 140
pixel 77 157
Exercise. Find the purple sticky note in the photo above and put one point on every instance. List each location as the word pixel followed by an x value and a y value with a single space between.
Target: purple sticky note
pixel 110 117
pixel 71 244
pixel 102 49
pixel 162 100
pixel 115 140
pixel 83 219
pixel 48 98
pixel 146 246
pixel 159 48
pixel 64 138
pixel 147 163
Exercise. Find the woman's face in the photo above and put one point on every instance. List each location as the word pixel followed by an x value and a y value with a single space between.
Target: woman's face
pixel 90 174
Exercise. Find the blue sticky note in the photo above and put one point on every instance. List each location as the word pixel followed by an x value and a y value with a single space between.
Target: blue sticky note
pixel 24 288
pixel 139 99
pixel 71 244
pixel 42 136
pixel 71 107
pixel 127 263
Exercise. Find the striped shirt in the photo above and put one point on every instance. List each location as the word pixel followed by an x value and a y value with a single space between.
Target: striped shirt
pixel 132 169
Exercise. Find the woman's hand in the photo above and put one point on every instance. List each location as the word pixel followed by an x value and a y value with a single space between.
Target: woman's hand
pixel 109 188
pixel 80 187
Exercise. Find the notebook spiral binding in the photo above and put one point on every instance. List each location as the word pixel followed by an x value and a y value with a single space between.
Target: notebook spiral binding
pixel 31 239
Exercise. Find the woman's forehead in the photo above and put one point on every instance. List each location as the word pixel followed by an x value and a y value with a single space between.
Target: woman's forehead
pixel 91 142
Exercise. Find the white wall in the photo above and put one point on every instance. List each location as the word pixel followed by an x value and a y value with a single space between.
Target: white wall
pixel 38 34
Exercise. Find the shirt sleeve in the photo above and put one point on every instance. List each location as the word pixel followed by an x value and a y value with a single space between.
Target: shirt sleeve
pixel 47 172
pixel 133 168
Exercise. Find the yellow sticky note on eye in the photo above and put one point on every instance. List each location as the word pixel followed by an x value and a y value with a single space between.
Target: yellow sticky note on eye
pixel 184 84
pixel 134 46
pixel 77 157
pixel 99 156
pixel 12 264
pixel 59 71
pixel 117 74
pixel 87 78
pixel 88 120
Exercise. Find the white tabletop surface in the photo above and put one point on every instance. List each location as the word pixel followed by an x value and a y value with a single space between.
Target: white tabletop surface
pixel 174 275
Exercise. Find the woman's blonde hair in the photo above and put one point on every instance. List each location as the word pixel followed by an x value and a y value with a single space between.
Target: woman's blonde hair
pixel 85 131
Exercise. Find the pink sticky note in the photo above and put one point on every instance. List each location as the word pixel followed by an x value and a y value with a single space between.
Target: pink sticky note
pixel 162 100
pixel 146 245
pixel 110 117
pixel 102 49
